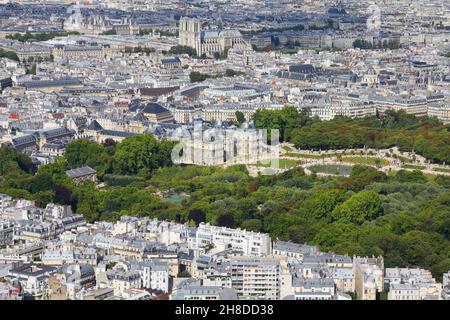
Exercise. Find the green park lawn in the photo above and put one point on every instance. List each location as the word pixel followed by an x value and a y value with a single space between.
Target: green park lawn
pixel 404 159
pixel 284 163
pixel 304 155
pixel 411 166
pixel 364 160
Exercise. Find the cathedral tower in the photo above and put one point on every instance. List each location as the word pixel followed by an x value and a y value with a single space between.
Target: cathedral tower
pixel 189 32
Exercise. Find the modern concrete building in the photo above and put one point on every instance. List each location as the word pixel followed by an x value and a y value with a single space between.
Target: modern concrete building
pixel 248 242
pixel 256 278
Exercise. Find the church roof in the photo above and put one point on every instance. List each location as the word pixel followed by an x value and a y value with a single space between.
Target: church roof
pixel 170 60
pixel 154 108
pixel 27 139
pixel 54 133
pixel 209 34
pixel 95 126
pixel 231 33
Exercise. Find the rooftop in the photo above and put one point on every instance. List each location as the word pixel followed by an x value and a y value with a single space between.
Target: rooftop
pixel 80 172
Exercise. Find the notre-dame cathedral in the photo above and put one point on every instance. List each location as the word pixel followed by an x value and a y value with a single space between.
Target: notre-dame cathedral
pixel 208 42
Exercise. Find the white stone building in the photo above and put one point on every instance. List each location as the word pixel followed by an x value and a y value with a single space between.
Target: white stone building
pixel 440 111
pixel 219 146
pixel 250 243
pixel 403 291
pixel 369 277
pixel 257 278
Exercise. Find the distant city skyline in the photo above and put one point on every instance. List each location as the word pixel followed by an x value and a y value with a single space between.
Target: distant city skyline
pixel 224 150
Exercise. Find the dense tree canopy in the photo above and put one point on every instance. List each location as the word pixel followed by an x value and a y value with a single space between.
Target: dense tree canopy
pixel 284 120
pixel 404 216
pixel 361 207
pixel 40 36
pixel 141 154
pixel 84 152
pixel 196 76
pixel 240 117
pixel 9 54
pixel 427 136
pixel 138 154
pixel 179 49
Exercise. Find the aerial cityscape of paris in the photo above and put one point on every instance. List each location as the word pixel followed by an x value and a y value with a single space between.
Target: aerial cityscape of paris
pixel 244 150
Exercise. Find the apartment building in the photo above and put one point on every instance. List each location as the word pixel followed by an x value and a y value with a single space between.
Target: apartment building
pixel 197 292
pixel 446 286
pixel 440 111
pixel 217 112
pixel 413 105
pixel 446 279
pixel 369 277
pixel 344 279
pixel 80 51
pixel 403 291
pixel 6 232
pixel 293 250
pixel 248 242
pixel 352 110
pixel 121 281
pixel 61 255
pixel 154 274
pixel 33 278
pixel 418 280
pixel 256 278
pixel 167 232
pixel 77 277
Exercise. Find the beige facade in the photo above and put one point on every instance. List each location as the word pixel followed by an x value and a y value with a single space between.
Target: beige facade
pixel 415 106
pixel 56 290
pixel 127 126
pixel 75 52
pixel 440 111
pixel 403 292
pixel 163 117
pixel 344 279
pixel 122 285
pixel 369 277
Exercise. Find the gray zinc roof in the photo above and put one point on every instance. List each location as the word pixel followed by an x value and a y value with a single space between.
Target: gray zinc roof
pixel 80 172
